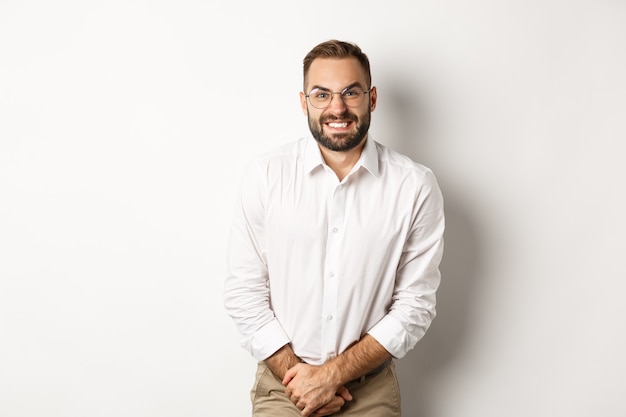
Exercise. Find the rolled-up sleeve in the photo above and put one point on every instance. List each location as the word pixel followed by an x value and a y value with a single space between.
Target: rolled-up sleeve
pixel 417 278
pixel 246 288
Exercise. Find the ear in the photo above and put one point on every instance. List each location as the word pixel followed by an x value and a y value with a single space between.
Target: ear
pixel 305 111
pixel 373 98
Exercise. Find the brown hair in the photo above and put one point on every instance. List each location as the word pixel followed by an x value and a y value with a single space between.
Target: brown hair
pixel 337 49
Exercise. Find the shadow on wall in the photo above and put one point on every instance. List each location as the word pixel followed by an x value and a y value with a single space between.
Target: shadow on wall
pixel 446 337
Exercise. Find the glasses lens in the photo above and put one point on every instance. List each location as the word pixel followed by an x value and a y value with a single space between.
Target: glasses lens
pixel 319 98
pixel 352 96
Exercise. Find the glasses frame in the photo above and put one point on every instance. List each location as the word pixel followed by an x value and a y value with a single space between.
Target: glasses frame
pixel 332 93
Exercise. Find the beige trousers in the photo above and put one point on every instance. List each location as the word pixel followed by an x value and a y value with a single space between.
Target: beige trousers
pixel 374 396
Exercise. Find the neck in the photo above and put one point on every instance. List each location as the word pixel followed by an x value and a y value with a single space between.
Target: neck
pixel 342 162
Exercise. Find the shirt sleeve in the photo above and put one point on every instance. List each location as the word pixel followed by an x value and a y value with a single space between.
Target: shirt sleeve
pixel 417 276
pixel 246 288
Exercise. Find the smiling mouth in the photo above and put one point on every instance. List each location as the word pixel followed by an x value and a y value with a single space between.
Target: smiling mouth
pixel 338 125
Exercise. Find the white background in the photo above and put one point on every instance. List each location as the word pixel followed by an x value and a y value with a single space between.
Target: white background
pixel 124 126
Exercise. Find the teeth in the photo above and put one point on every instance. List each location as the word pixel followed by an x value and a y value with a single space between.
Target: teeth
pixel 338 124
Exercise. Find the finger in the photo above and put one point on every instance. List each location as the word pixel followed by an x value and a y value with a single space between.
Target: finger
pixel 306 412
pixel 290 374
pixel 331 408
pixel 334 405
pixel 344 393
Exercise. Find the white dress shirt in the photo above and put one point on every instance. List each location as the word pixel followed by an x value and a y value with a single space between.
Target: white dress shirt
pixel 318 262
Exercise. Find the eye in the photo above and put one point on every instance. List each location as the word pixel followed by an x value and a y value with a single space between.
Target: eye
pixel 321 95
pixel 351 93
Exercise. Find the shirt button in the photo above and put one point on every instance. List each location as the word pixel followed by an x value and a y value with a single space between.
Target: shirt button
pixel 335 230
pixel 332 274
pixel 329 317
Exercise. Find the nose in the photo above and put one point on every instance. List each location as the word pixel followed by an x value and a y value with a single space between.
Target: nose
pixel 336 103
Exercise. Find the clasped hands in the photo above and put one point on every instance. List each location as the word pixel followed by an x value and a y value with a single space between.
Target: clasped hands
pixel 312 390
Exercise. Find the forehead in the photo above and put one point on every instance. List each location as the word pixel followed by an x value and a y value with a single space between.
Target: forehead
pixel 335 73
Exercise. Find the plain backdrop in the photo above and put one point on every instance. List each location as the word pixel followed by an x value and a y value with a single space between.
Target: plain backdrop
pixel 124 127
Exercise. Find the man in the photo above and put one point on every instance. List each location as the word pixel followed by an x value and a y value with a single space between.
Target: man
pixel 334 254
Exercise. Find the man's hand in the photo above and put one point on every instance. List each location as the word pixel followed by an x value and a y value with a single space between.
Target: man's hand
pixel 312 389
pixel 335 405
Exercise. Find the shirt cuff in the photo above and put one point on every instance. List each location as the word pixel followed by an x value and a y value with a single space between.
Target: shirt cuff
pixel 393 336
pixel 266 341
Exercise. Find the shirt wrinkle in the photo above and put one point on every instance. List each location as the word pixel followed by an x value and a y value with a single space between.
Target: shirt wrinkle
pixel 332 251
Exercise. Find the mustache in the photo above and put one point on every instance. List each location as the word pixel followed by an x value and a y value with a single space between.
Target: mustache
pixel 344 116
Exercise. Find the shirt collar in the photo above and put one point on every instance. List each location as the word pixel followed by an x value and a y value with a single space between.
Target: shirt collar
pixel 312 155
pixel 369 157
pixel 368 160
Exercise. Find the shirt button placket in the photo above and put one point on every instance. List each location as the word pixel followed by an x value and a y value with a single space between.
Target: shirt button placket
pixel 336 207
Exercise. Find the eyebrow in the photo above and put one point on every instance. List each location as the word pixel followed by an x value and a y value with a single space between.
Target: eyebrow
pixel 354 84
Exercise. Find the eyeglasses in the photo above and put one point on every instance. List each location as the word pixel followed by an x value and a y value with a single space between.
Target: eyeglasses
pixel 351 96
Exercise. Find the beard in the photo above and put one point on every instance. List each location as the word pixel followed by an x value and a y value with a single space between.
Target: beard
pixel 340 142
